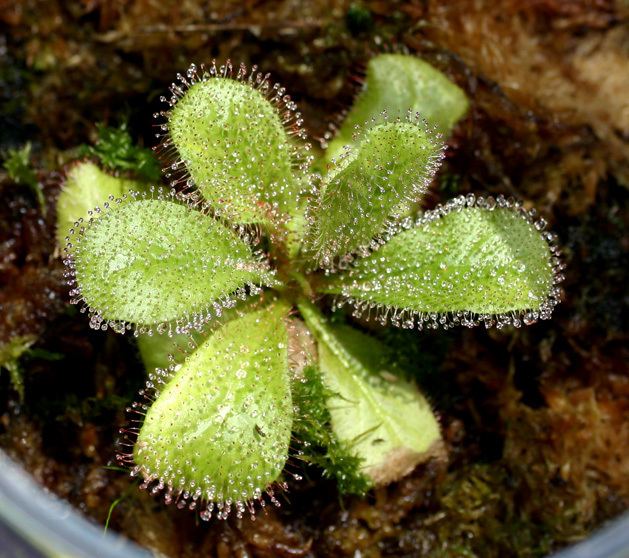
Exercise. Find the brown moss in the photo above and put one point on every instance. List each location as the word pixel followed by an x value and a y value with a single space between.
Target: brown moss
pixel 568 63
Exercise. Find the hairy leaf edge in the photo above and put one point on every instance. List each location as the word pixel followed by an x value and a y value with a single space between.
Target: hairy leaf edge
pixel 185 324
pixel 409 319
pixel 174 168
pixel 391 224
pixel 183 497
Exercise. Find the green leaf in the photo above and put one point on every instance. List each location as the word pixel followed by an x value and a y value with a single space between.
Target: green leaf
pixel 385 419
pixel 18 166
pixel 482 259
pixel 397 84
pixel 149 262
pixel 220 427
pixel 85 187
pixel 370 185
pixel 231 137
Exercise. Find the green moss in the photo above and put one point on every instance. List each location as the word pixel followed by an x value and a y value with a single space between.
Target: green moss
pixel 318 445
pixel 18 167
pixel 117 152
pixel 10 354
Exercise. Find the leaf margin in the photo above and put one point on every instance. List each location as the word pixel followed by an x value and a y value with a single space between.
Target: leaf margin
pixel 408 319
pixel 186 323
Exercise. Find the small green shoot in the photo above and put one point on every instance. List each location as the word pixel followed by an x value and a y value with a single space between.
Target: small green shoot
pixel 10 354
pixel 19 169
pixel 112 507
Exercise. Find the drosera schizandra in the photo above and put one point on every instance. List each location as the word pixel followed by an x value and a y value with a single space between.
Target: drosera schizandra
pixel 234 259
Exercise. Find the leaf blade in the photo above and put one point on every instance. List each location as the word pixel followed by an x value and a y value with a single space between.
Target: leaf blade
pixel 476 259
pixel 234 144
pixel 151 262
pixel 385 419
pixel 398 83
pixel 222 421
pixel 371 185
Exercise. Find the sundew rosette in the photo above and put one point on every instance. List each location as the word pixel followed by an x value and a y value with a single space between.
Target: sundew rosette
pixel 226 278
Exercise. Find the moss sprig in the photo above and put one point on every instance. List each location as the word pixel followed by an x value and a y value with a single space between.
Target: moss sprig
pixel 319 445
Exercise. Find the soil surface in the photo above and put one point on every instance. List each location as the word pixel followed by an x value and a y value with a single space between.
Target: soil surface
pixel 535 419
